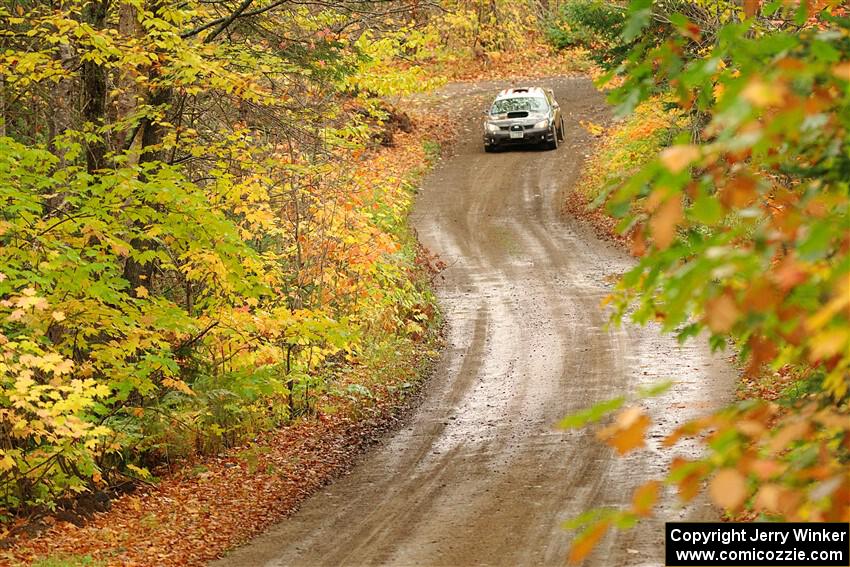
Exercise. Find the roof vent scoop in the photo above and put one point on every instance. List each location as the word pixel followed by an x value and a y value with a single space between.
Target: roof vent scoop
pixel 518 114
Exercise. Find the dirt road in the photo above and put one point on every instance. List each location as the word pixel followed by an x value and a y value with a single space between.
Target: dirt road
pixel 479 476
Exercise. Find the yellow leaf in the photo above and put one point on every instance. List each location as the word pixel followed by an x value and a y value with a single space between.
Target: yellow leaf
pixel 828 343
pixel 58 316
pixel 678 158
pixel 178 385
pixel 762 94
pixel 728 489
pixel 141 291
pixel 592 128
pixel 6 461
pixel 827 312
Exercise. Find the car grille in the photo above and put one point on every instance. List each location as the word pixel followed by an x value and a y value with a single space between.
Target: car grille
pixel 525 127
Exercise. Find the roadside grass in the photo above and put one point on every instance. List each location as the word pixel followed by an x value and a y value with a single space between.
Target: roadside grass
pixel 68 561
pixel 623 148
pixel 626 147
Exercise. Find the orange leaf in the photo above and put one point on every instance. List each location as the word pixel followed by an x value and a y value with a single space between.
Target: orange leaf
pixel 842 70
pixel 678 158
pixel 765 469
pixel 645 497
pixel 767 498
pixel 664 222
pixel 762 94
pixel 728 489
pixel 628 430
pixel 761 350
pixel 788 434
pixel 751 7
pixel 585 543
pixel 789 274
pixel 762 296
pixel 721 313
pixel 689 487
pixel 739 192
pixel 690 482
pixel 638 247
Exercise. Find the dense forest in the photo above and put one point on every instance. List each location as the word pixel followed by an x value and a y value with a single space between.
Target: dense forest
pixel 195 247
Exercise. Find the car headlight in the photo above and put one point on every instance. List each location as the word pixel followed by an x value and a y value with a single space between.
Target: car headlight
pixel 542 124
pixel 492 127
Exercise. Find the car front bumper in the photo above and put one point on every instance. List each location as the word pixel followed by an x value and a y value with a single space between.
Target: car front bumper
pixel 530 136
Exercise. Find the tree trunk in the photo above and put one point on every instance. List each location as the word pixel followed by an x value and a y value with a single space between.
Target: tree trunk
pixel 126 101
pixel 149 151
pixel 62 111
pixel 94 89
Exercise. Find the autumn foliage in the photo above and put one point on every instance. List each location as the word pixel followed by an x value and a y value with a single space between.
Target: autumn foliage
pixel 189 250
pixel 741 226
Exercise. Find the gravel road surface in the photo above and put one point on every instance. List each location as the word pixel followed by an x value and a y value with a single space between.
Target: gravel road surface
pixel 479 475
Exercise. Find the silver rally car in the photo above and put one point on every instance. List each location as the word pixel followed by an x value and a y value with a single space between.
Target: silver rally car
pixel 527 115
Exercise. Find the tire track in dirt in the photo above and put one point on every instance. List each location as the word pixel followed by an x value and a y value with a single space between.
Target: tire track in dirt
pixel 479 476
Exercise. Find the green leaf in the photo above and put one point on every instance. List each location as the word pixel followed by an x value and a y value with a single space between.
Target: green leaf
pixel 591 414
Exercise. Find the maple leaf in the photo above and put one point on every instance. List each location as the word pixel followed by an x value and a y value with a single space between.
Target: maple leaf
pixel 728 489
pixel 678 158
pixel 644 498
pixel 628 430
pixel 721 313
pixel 761 93
pixel 664 221
pixel 842 70
pixel 584 543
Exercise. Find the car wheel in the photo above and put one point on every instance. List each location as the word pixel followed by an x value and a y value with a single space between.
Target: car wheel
pixel 553 145
pixel 561 130
pixel 490 149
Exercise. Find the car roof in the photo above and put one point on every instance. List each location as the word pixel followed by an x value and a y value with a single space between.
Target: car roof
pixel 520 92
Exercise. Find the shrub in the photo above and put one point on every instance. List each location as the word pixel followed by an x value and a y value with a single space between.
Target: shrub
pixel 591 24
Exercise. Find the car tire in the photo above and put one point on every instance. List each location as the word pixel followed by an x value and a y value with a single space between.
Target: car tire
pixel 553 145
pixel 561 131
pixel 490 149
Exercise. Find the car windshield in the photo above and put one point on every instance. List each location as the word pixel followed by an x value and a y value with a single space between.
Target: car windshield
pixel 530 104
